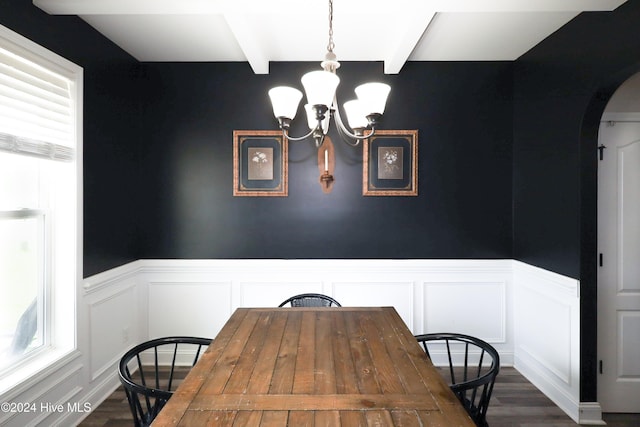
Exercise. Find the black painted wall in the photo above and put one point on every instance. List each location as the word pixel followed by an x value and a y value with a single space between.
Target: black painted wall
pixel 111 129
pixel 462 112
pixel 560 90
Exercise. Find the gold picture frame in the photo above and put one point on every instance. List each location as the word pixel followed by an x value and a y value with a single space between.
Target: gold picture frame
pixel 390 163
pixel 260 163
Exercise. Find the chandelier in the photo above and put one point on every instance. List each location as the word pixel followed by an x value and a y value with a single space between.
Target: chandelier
pixel 363 114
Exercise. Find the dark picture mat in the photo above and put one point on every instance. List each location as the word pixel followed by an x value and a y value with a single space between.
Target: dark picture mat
pixel 274 145
pixel 401 178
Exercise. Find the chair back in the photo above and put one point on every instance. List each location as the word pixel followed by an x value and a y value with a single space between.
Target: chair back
pixel 310 300
pixel 472 366
pixel 150 372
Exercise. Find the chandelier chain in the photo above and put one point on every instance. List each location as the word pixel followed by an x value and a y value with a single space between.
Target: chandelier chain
pixel 331 44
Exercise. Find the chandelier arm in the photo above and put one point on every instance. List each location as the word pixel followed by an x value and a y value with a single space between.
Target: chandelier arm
pixel 346 139
pixel 300 138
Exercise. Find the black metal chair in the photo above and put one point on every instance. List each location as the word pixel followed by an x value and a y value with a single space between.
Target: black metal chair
pixel 150 372
pixel 310 300
pixel 473 367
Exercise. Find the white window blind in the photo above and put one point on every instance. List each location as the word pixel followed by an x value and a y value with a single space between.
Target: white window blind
pixel 36 110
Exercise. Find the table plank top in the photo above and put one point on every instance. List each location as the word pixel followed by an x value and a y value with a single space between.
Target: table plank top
pixel 337 366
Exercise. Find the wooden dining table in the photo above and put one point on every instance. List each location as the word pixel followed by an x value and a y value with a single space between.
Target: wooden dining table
pixel 338 366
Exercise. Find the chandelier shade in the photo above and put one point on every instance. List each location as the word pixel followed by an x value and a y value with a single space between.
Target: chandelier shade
pixel 320 87
pixel 285 101
pixel 373 97
pixel 356 118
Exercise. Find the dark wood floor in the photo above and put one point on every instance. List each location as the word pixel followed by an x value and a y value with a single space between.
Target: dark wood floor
pixel 515 403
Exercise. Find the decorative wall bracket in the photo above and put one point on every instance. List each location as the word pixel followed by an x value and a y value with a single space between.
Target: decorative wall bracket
pixel 326 165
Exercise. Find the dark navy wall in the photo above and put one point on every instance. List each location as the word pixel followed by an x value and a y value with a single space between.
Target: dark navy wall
pixel 560 91
pixel 463 114
pixel 111 131
pixel 555 85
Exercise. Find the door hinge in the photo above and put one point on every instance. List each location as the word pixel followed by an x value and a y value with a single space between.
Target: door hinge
pixel 601 260
pixel 601 148
pixel 600 367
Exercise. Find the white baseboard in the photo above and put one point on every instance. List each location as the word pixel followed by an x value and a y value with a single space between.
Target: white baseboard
pixel 569 404
pixel 590 413
pixel 99 394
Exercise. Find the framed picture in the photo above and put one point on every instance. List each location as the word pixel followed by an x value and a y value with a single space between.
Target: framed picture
pixel 260 159
pixel 390 163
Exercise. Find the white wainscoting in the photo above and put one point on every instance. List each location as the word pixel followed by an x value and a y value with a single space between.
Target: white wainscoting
pixel 530 315
pixel 196 297
pixel 547 337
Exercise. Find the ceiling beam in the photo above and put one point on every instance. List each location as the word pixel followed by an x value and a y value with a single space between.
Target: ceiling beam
pixel 249 42
pixel 415 28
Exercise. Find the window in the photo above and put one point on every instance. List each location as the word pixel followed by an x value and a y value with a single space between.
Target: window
pixel 23 249
pixel 40 175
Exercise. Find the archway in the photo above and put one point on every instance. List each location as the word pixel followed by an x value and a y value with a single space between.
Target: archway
pixel 590 366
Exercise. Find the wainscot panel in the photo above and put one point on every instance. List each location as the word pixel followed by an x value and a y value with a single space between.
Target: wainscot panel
pixel 472 308
pixel 547 336
pixel 110 335
pixel 187 308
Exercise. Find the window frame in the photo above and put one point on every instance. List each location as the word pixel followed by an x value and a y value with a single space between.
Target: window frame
pixel 62 225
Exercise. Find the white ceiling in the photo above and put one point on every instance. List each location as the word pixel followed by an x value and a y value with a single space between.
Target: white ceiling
pixel 260 31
